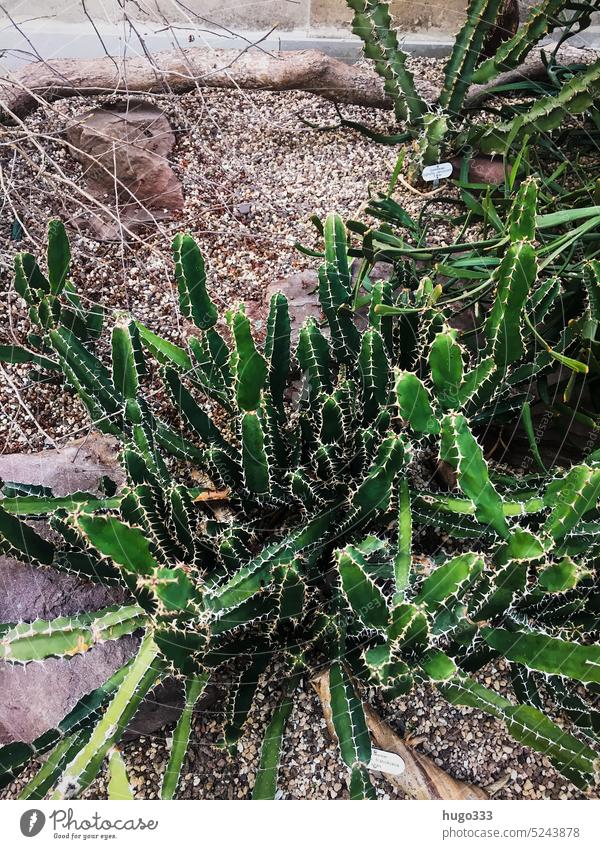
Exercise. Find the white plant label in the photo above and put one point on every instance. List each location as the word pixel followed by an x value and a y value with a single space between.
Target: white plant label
pixel 437 172
pixel 387 762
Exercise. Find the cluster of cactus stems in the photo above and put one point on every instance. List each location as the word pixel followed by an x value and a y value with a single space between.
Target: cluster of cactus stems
pixel 316 564
pixel 439 128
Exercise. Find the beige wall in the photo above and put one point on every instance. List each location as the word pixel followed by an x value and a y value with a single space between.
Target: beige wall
pixel 410 15
pixel 312 17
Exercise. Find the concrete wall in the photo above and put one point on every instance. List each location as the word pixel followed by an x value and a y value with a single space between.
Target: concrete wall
pixel 314 17
pixel 61 28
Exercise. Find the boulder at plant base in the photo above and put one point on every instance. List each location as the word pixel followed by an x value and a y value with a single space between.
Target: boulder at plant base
pixel 36 696
pixel 124 149
pixel 483 169
pixel 79 466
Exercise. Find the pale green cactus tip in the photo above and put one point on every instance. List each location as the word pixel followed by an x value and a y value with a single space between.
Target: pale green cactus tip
pixel 314 558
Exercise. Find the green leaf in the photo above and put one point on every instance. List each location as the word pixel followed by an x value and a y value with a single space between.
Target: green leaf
pixel 250 368
pixel 475 378
pixel 194 301
pixel 449 579
pixel 336 261
pixel 139 679
pixel 522 216
pixel 437 666
pixel 360 784
pixel 51 770
pixel 59 256
pixel 460 449
pixel 414 403
pixel 571 498
pixel 541 19
pixel 124 370
pixel 119 789
pixel 527 420
pixel 193 413
pixel 254 457
pixel 335 291
pixel 292 593
pixel 372 23
pixel 374 373
pixel 194 687
pixel 241 700
pixel 403 558
pixel 365 598
pixel 315 359
pixel 90 373
pixel 459 68
pixel 348 718
pixel 431 140
pixel 374 493
pixel 522 545
pixel 547 654
pixel 165 352
pixel 173 588
pixel 576 96
pixel 24 539
pixel 507 583
pixel 446 364
pixel 28 277
pixel 560 577
pixel 125 545
pixel 69 635
pixel 277 346
pixel 530 727
pixel 15 354
pixel 513 279
pixel 265 786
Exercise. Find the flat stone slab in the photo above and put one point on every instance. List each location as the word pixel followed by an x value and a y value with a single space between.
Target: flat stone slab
pixel 80 465
pixel 37 592
pixel 36 696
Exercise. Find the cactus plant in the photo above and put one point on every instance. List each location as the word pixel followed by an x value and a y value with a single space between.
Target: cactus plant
pixel 316 563
pixel 439 128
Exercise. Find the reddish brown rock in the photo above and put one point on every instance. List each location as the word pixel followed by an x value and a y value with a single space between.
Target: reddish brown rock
pixel 124 150
pixel 482 169
pixel 36 696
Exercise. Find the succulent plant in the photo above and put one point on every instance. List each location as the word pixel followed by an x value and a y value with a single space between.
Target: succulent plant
pixel 313 564
pixel 439 128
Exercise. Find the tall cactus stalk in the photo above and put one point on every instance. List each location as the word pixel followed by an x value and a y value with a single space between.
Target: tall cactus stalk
pixel 440 127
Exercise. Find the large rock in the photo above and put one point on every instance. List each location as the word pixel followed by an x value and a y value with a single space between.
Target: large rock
pixel 35 697
pixel 124 149
pixel 80 465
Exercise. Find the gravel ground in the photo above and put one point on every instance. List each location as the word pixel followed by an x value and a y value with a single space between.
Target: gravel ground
pixel 235 151
pixel 469 745
pixel 252 174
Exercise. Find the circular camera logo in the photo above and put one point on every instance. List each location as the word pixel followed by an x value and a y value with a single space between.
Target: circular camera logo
pixel 32 822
